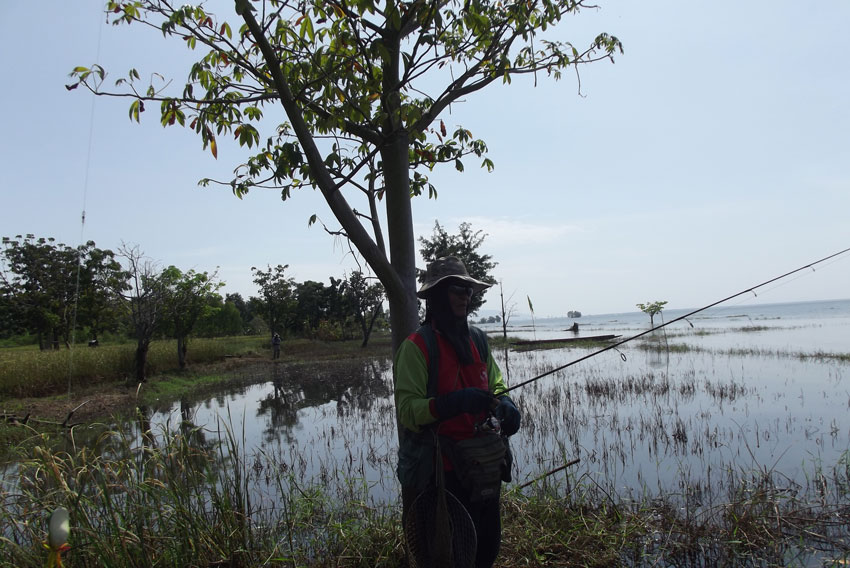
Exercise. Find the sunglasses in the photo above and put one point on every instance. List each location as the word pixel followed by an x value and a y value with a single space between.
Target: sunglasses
pixel 460 290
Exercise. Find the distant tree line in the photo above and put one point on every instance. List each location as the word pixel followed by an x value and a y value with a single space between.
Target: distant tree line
pixel 49 289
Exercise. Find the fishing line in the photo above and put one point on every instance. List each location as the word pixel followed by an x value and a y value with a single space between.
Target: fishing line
pixel 83 217
pixel 751 289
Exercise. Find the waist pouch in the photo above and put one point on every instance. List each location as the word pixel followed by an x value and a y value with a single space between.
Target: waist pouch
pixel 479 463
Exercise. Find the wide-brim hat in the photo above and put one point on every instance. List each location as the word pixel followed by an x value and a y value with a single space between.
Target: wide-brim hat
pixel 448 267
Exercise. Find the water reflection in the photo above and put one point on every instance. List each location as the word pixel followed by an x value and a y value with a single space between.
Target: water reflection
pixel 332 422
pixel 644 418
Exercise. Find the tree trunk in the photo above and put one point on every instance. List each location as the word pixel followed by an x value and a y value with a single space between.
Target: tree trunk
pixel 395 156
pixel 181 351
pixel 367 330
pixel 141 360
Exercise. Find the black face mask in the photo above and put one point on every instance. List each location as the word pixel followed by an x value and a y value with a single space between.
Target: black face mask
pixel 438 312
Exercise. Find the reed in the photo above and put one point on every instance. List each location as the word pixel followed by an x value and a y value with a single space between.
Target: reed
pixel 175 498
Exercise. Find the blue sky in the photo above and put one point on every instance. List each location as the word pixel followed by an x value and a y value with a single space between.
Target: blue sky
pixel 714 155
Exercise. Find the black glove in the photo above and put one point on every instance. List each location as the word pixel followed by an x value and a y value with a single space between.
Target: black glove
pixel 508 414
pixel 469 400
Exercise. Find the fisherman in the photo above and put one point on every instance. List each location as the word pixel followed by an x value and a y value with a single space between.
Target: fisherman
pixel 447 396
pixel 276 346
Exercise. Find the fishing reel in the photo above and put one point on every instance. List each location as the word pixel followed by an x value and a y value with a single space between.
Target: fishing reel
pixel 490 424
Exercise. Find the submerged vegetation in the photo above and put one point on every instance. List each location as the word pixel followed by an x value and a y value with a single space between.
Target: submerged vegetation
pixel 818 355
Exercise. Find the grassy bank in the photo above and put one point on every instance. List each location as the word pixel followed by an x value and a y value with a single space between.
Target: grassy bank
pixel 187 505
pixel 28 372
pixel 35 383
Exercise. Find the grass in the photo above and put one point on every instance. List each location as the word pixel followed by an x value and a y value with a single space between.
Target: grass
pixel 177 500
pixel 186 503
pixel 743 352
pixel 28 372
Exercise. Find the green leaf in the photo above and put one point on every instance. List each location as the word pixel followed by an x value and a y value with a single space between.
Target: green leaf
pixel 135 108
pixel 307 29
pixel 248 135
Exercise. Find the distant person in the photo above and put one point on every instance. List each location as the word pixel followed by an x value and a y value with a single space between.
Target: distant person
pixel 448 391
pixel 276 346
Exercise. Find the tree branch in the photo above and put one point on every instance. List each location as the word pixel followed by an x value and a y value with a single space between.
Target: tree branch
pixel 329 189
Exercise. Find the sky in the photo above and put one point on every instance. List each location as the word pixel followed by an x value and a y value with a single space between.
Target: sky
pixel 713 155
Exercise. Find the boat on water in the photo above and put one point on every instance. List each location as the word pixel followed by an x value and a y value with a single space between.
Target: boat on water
pixel 574 314
pixel 566 339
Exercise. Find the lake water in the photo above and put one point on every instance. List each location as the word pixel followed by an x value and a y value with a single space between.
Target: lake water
pixel 730 394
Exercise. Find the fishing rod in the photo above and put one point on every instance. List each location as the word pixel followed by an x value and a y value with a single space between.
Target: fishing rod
pixel 665 324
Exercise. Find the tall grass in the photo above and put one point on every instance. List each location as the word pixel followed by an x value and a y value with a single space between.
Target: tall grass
pixel 175 499
pixel 30 372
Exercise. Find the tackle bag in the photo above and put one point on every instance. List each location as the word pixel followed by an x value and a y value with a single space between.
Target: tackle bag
pixel 479 463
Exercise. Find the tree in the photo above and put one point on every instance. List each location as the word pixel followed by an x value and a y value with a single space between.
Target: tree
pixel 367 302
pixel 339 309
pixel 652 308
pixel 99 306
pixel 242 306
pixel 39 275
pixel 144 300
pixel 9 321
pixel 221 318
pixel 257 324
pixel 507 310
pixel 186 299
pixel 463 245
pixel 362 86
pixel 277 300
pixel 310 307
pixel 49 285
